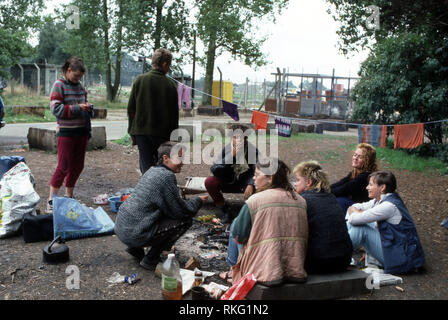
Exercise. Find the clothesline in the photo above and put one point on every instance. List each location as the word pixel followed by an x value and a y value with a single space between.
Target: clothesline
pixel 321 121
pixel 195 89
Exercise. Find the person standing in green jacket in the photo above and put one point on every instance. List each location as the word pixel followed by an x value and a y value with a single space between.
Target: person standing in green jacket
pixel 153 109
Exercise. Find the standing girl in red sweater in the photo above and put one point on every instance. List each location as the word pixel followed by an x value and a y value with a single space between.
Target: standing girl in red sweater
pixel 68 103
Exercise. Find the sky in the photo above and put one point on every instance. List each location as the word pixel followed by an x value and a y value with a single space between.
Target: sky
pixel 303 39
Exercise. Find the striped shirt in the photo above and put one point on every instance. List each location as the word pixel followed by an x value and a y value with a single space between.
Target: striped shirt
pixel 65 98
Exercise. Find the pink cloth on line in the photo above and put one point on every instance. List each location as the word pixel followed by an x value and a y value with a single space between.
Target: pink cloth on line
pixel 184 95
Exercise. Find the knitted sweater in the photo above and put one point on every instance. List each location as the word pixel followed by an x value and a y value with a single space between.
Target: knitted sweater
pixel 156 197
pixel 153 106
pixel 65 98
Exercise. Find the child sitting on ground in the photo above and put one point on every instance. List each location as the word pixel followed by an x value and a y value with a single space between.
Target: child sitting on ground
pixel 384 226
pixel 329 245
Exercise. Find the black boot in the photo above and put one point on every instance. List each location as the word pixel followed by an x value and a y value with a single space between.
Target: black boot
pixel 151 259
pixel 137 252
pixel 226 217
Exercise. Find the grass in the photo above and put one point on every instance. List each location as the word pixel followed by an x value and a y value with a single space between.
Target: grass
pixel 124 141
pixel 399 159
pixel 24 96
pixel 27 118
pixel 391 159
pixel 312 136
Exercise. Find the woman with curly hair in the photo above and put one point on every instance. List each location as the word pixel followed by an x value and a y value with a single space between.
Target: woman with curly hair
pixel 272 228
pixel 352 188
pixel 329 245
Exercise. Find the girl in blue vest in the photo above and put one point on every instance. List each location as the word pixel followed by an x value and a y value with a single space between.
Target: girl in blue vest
pixel 384 227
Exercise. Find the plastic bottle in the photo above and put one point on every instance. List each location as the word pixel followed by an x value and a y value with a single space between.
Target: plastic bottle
pixel 198 278
pixel 171 279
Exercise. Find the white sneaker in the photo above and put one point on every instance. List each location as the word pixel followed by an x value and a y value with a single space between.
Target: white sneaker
pixel 49 209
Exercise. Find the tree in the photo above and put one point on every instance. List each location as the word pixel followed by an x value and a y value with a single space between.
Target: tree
pixel 228 25
pixel 17 19
pixel 108 28
pixel 404 80
pixel 52 35
pixel 395 16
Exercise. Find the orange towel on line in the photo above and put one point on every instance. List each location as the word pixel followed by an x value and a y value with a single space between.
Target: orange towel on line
pixel 260 119
pixel 408 136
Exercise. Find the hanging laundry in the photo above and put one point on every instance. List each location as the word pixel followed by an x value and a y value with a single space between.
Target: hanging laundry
pixel 260 119
pixel 283 126
pixel 373 134
pixel 184 95
pixel 408 136
pixel 231 109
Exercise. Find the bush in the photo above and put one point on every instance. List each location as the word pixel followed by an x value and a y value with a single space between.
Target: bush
pixel 439 151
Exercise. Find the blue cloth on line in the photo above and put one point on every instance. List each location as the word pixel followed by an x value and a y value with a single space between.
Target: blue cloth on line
pixel 283 126
pixel 372 134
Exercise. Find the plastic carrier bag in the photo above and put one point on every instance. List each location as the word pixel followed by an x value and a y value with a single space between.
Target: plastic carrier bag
pixel 73 220
pixel 7 162
pixel 241 288
pixel 17 197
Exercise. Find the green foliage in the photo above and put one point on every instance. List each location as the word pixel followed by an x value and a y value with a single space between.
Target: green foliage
pixel 439 151
pixel 110 28
pixel 404 80
pixel 17 19
pixel 52 35
pixel 228 25
pixel 398 16
pixel 125 141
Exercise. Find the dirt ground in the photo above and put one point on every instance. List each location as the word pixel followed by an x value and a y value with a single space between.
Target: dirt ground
pixel 23 275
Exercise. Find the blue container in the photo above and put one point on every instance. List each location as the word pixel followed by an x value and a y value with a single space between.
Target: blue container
pixel 115 203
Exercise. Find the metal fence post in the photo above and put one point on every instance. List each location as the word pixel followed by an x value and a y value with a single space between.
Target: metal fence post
pixel 38 79
pixel 220 86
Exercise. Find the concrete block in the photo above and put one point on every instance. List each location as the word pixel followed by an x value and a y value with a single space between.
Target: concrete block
pixel 100 113
pixel 33 110
pixel 45 139
pixel 98 139
pixel 222 126
pixel 183 113
pixel 318 287
pixel 209 110
pixel 334 126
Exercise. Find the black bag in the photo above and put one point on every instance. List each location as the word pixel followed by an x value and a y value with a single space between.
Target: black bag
pixel 37 228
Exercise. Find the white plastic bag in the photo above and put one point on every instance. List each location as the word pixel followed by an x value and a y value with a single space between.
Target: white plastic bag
pixel 17 197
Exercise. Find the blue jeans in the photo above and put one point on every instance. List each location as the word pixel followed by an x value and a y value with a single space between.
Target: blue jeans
pixel 345 203
pixel 367 236
pixel 233 250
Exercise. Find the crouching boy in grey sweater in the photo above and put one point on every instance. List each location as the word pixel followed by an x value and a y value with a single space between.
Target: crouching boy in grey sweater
pixel 155 215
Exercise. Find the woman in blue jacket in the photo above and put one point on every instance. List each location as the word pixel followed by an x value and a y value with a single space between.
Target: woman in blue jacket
pixel 384 227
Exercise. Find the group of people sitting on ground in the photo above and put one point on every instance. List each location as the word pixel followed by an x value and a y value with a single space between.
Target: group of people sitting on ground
pixel 283 232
